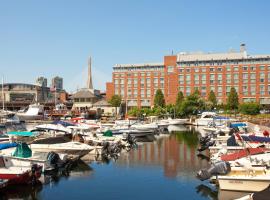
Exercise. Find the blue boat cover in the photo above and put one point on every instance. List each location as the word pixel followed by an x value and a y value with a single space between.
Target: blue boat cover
pixel 63 123
pixel 254 138
pixel 23 133
pixel 7 145
pixel 240 124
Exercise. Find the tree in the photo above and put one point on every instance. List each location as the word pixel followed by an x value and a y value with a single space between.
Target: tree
pixel 159 100
pixel 232 101
pixel 212 98
pixel 115 101
pixel 179 99
pixel 250 108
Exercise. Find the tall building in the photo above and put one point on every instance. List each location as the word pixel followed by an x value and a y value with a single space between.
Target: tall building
pixel 57 83
pixel 41 81
pixel 186 72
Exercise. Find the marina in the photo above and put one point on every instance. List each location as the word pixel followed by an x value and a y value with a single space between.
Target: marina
pixel 171 163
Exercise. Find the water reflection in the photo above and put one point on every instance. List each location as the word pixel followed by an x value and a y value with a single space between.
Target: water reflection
pixel 21 192
pixel 177 154
pixel 81 169
pixel 206 191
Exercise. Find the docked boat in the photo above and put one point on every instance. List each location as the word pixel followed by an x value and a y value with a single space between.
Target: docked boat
pixel 211 117
pixel 17 174
pixel 61 145
pixel 33 112
pixel 175 121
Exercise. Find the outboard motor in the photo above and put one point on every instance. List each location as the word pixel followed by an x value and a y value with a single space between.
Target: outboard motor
pixel 219 168
pixel 131 141
pixel 206 142
pixel 53 159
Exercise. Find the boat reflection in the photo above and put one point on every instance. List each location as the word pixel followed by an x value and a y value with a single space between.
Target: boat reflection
pixel 21 192
pixel 207 192
pixel 81 169
pixel 177 154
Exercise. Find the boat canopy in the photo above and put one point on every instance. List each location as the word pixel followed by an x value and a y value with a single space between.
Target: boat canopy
pixel 7 145
pixel 22 151
pixel 63 123
pixel 239 124
pixel 23 133
pixel 253 138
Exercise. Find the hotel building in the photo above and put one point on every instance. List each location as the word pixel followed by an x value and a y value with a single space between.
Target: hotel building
pixel 186 72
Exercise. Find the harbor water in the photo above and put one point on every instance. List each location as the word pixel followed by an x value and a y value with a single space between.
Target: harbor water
pixel 163 169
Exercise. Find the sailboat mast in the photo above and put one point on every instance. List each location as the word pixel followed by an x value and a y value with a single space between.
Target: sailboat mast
pixel 3 98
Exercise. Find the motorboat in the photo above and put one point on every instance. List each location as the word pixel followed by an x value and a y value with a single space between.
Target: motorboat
pixel 33 112
pixel 18 174
pixel 211 117
pixel 175 121
pixel 21 154
pixel 60 145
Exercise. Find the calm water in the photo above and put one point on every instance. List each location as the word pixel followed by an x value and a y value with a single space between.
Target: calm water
pixel 164 169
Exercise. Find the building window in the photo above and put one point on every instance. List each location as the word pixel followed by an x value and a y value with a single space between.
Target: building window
pixel 262 67
pixel 245 77
pixel 262 77
pixel 219 69
pixel 170 69
pixel 212 69
pixel 252 68
pixel 245 68
pixel 235 68
pixel 203 69
pixel 262 90
pixel 228 68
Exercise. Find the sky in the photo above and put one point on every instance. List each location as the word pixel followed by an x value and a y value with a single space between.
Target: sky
pixel 56 37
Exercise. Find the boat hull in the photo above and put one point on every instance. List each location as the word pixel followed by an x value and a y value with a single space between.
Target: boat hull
pixel 243 184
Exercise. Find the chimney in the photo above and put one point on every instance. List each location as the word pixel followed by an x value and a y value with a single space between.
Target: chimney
pixel 242 47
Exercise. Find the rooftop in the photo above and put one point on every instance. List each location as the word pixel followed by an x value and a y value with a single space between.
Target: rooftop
pixel 140 65
pixel 84 93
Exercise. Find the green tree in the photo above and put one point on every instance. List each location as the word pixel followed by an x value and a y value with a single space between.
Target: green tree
pixel 250 108
pixel 191 104
pixel 159 100
pixel 232 101
pixel 115 101
pixel 179 99
pixel 212 99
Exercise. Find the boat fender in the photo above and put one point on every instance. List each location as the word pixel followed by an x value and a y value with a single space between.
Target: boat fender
pixel 265 133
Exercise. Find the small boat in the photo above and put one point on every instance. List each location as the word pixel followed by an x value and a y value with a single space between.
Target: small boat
pixel 33 112
pixel 64 147
pixel 211 117
pixel 17 174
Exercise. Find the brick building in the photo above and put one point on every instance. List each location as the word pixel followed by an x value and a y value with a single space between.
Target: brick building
pixel 186 72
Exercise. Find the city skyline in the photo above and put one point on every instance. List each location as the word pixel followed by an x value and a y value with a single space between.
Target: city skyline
pixel 56 38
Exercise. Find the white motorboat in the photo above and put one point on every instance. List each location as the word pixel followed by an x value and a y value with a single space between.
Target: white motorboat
pixel 34 112
pixel 211 117
pixel 252 181
pixel 70 148
pixel 177 121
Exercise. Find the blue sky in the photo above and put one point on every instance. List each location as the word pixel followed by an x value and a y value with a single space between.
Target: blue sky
pixel 55 37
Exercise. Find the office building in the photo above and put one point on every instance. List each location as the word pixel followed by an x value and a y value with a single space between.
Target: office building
pixel 41 81
pixel 57 83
